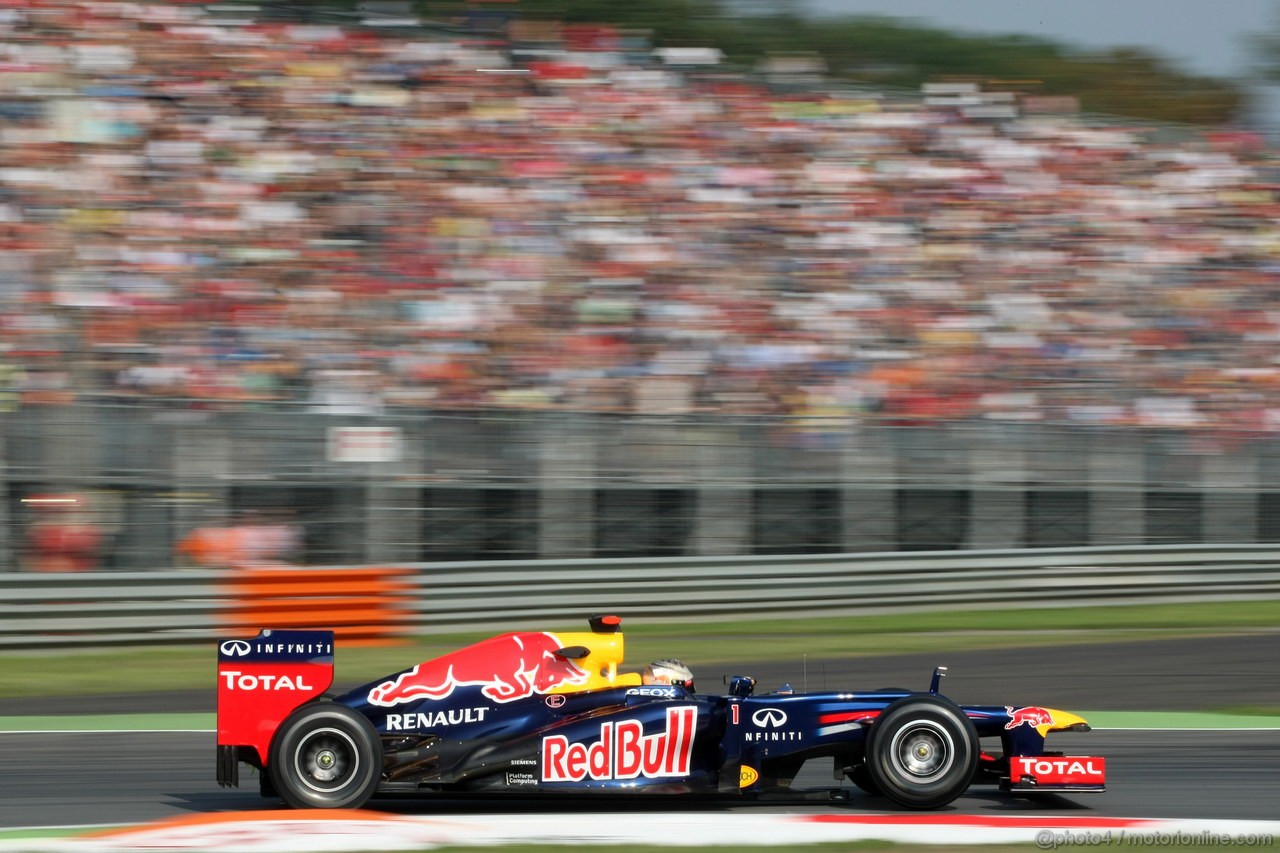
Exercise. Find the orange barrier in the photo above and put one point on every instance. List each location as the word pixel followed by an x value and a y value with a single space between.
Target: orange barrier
pixel 367 605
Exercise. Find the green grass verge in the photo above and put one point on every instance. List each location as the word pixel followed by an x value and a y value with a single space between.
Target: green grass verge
pixel 1149 720
pixel 10 835
pixel 707 645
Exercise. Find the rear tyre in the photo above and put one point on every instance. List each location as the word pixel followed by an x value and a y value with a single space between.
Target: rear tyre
pixel 922 752
pixel 325 756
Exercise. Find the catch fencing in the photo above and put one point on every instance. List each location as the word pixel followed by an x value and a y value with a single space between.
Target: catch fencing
pixel 110 486
pixel 133 608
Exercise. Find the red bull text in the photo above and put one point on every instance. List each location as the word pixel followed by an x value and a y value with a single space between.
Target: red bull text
pixel 508 668
pixel 624 751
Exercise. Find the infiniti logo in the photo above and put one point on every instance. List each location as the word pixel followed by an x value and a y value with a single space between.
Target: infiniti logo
pixel 235 648
pixel 767 718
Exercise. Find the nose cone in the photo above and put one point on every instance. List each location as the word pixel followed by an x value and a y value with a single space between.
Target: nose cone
pixel 1063 721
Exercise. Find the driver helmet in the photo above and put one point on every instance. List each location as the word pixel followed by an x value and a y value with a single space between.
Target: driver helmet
pixel 669 671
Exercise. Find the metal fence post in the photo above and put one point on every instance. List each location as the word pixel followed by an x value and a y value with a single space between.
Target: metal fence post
pixel 566 504
pixel 869 471
pixel 1231 483
pixel 722 522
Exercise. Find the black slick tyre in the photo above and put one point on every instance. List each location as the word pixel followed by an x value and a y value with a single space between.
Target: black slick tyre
pixel 325 756
pixel 922 752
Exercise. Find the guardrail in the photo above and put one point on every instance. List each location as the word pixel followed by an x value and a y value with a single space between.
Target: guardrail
pixel 98 608
pixel 48 611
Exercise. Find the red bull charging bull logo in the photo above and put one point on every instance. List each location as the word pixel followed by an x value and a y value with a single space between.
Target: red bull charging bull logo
pixel 1030 716
pixel 507 668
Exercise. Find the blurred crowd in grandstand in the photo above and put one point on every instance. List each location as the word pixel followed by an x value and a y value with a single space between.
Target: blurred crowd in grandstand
pixel 364 223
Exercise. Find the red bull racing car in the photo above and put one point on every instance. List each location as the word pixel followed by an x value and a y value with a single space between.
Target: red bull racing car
pixel 540 712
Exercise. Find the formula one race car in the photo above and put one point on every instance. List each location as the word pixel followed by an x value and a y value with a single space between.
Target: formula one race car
pixel 540 713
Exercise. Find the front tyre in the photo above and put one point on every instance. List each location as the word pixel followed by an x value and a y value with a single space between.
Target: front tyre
pixel 922 752
pixel 325 756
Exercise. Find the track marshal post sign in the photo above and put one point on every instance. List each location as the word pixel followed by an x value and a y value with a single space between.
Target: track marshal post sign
pixel 364 444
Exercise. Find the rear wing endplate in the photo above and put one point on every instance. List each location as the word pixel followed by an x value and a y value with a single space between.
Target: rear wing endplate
pixel 261 681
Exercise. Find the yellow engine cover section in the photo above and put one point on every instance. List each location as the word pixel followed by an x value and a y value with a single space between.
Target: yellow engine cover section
pixel 601 665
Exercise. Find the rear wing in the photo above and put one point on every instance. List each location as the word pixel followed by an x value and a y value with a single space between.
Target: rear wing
pixel 260 682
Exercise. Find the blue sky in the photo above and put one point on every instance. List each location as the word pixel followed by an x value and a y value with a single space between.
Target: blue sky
pixel 1202 35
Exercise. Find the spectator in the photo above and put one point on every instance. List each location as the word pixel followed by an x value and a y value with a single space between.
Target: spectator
pixel 273 213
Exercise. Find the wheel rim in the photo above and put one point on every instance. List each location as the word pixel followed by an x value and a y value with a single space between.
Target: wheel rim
pixel 326 760
pixel 922 751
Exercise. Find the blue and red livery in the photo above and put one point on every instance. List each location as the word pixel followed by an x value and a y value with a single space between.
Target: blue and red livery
pixel 544 713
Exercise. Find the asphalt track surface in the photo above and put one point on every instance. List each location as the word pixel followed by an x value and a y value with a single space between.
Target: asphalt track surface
pixel 71 779
pixel 108 778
